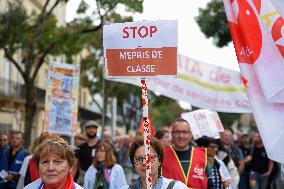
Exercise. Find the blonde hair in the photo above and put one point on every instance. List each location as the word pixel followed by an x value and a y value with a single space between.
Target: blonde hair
pixel 54 146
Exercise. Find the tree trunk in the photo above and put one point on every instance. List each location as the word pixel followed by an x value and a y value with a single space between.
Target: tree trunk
pixel 30 109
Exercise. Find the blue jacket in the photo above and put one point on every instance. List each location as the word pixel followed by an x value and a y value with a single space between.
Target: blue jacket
pixel 3 149
pixel 14 167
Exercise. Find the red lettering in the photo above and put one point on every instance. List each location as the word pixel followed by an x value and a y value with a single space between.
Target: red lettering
pixel 213 75
pixel 143 31
pixel 126 32
pixel 277 35
pixel 199 116
pixel 225 77
pixel 187 64
pixel 242 103
pixel 219 77
pixel 196 68
pixel 153 29
pixel 177 89
pixel 133 30
pixel 249 36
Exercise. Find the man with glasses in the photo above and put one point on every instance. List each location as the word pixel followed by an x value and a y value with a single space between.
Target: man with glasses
pixel 183 161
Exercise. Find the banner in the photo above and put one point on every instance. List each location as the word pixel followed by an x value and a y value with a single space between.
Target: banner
pixel 204 123
pixel 141 49
pixel 61 105
pixel 202 85
pixel 257 31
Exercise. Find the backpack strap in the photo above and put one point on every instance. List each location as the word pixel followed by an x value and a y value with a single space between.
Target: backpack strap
pixel 171 185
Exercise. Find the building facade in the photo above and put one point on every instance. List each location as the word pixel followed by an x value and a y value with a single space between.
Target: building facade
pixel 12 97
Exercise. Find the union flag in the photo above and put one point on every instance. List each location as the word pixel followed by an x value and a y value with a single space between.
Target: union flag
pixel 256 28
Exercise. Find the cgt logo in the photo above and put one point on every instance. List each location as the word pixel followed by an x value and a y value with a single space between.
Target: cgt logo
pixel 278 34
pixel 198 173
pixel 245 31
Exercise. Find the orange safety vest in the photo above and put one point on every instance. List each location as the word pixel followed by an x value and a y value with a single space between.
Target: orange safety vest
pixel 195 177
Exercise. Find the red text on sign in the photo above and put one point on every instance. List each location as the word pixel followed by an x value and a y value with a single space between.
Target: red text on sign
pixel 142 31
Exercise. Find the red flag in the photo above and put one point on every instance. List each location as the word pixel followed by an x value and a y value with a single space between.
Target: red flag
pixel 256 28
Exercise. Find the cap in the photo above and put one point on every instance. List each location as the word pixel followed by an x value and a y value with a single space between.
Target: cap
pixel 91 123
pixel 244 134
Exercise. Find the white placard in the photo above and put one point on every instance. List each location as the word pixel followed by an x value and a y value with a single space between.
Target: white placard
pixel 204 122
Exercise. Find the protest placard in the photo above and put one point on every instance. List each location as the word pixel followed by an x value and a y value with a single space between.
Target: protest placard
pixel 141 49
pixel 61 98
pixel 204 122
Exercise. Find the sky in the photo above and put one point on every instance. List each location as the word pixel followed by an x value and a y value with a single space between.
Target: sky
pixel 191 41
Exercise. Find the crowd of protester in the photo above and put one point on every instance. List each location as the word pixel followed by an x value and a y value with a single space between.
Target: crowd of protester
pixel 235 160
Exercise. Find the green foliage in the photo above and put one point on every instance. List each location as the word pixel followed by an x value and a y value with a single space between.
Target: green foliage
pixel 213 23
pixel 130 5
pixel 164 111
pixel 92 67
pixel 117 18
pixel 39 35
pixel 82 7
pixel 14 31
pixel 21 29
pixel 228 119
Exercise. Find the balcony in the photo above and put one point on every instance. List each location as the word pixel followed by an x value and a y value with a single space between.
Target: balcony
pixel 11 89
pixel 14 91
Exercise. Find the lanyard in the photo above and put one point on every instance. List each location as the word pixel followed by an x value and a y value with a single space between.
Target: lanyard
pixel 41 185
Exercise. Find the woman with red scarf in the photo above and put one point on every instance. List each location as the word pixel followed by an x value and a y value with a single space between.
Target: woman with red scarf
pixel 54 159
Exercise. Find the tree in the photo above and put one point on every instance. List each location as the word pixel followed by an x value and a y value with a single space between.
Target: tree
pixel 212 21
pixel 92 66
pixel 164 111
pixel 92 72
pixel 39 36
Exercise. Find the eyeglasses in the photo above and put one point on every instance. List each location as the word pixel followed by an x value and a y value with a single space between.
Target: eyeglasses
pixel 138 160
pixel 181 132
pixel 3 139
